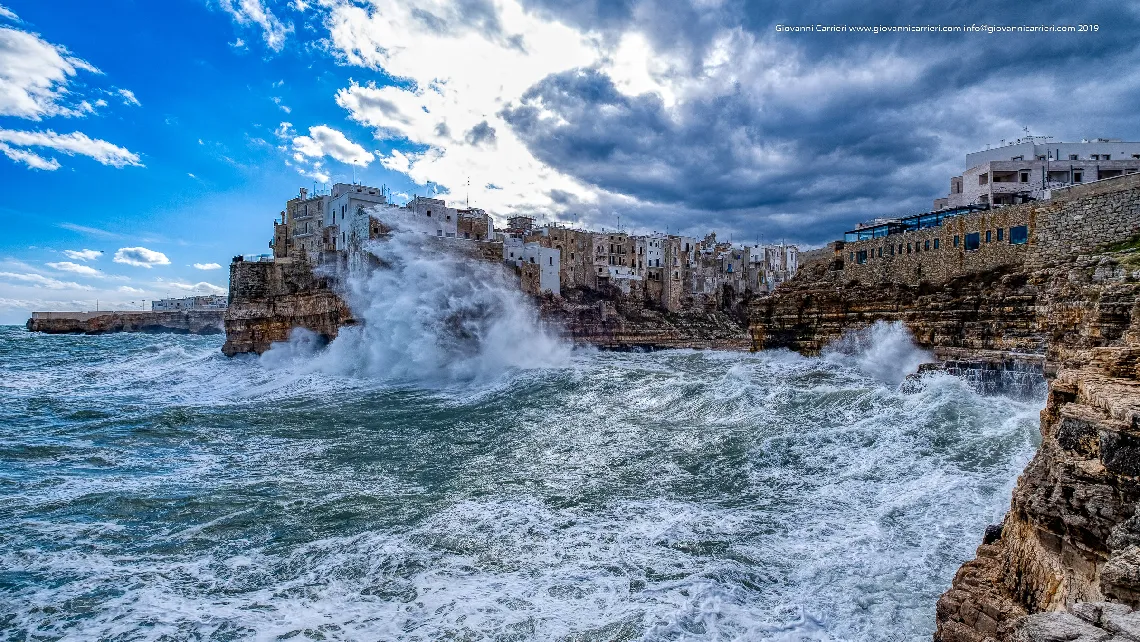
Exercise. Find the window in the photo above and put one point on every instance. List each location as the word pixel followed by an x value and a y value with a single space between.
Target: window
pixel 551 260
pixel 956 239
pixel 1017 158
pixel 936 244
pixel 1077 177
pixel 989 236
pixel 429 213
pixel 1106 157
pixel 1074 157
pixel 851 257
pixel 1019 235
pixel 862 257
pixel 908 248
pixel 1136 156
pixel 926 245
pixel 983 179
pixel 1024 177
pixel 1001 233
pixel 1094 156
pixel 972 241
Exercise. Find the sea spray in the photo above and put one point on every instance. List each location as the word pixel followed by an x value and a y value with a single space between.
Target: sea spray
pixel 428 312
pixel 884 350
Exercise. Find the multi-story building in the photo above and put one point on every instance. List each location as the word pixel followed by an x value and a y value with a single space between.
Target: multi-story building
pixel 1026 169
pixel 207 302
pixel 332 229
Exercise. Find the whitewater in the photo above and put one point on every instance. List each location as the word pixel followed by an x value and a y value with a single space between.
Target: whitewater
pixel 450 470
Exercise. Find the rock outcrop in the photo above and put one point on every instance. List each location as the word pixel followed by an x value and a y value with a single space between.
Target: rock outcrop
pixel 182 322
pixel 268 299
pixel 614 323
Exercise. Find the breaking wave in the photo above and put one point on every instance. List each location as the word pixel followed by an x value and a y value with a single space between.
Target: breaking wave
pixel 427 313
pixel 884 350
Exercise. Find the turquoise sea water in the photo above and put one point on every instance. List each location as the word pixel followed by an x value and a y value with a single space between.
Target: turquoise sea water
pixel 152 489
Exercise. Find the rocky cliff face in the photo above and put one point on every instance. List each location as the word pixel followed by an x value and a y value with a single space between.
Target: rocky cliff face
pixel 590 318
pixel 189 322
pixel 269 299
pixel 1072 535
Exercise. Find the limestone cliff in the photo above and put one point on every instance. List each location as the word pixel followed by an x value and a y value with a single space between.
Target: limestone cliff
pixel 182 322
pixel 269 299
pixel 613 322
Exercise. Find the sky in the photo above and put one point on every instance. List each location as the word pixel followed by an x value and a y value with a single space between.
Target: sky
pixel 144 144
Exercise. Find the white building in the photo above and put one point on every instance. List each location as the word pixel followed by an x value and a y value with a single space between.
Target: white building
pixel 345 207
pixel 435 211
pixel 1026 169
pixel 208 302
pixel 549 261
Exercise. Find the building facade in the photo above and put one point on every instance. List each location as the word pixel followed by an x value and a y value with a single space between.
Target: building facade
pixel 1027 169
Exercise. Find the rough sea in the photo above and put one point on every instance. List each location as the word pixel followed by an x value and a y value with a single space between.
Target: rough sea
pixel 152 489
pixel 450 470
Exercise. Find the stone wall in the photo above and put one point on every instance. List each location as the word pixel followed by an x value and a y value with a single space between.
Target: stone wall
pixel 1085 218
pixel 931 255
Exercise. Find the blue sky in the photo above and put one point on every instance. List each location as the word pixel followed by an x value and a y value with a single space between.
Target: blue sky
pixel 141 138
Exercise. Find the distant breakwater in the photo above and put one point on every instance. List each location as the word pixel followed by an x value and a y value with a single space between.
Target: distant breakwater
pixel 177 322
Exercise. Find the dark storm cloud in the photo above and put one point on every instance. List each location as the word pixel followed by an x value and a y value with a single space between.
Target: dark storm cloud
pixel 818 149
pixel 481 133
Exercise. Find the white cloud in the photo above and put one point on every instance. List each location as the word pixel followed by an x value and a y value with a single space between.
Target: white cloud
pixel 82 255
pixel 207 266
pixel 325 141
pixel 129 97
pixel 285 108
pixel 7 13
pixel 31 159
pixel 247 12
pixel 238 44
pixel 42 281
pixel 73 143
pixel 462 76
pixel 129 290
pixel 34 75
pixel 68 266
pixel 201 286
pixel 140 257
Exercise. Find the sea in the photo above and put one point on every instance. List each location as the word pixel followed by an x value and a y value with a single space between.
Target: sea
pixel 451 470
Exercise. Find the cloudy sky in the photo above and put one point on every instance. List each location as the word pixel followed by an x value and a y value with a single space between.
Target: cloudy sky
pixel 143 144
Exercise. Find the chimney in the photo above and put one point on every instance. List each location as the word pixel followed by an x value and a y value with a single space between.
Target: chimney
pixel 304 193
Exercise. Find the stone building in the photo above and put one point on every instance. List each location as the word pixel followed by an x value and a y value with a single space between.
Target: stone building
pixel 474 224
